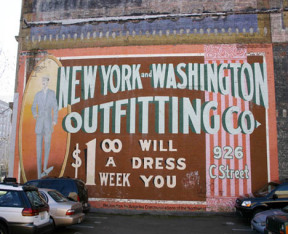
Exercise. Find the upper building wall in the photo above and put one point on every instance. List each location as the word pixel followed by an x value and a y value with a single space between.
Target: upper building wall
pixel 39 10
pixel 245 28
pixel 59 24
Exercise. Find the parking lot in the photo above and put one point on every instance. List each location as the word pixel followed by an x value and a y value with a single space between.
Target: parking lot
pixel 155 224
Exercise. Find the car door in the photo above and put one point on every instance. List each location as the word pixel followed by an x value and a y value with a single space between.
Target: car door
pixel 279 198
pixel 11 206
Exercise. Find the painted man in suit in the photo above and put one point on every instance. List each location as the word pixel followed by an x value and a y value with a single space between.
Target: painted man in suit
pixel 45 111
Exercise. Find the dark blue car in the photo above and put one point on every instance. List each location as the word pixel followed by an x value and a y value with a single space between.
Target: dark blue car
pixel 271 196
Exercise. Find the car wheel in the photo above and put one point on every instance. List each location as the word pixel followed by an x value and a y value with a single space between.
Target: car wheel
pixel 3 229
pixel 54 226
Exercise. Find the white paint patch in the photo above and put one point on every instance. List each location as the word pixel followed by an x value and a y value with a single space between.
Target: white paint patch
pixel 191 180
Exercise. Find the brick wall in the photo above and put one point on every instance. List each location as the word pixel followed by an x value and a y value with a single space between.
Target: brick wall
pixel 203 28
pixel 281 88
pixel 59 9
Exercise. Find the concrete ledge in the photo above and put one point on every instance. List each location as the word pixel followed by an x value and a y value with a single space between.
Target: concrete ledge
pixel 163 213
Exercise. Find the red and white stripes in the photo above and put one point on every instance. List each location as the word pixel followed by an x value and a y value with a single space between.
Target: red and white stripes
pixel 226 187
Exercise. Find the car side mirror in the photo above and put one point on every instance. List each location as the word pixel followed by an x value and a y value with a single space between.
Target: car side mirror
pixel 275 196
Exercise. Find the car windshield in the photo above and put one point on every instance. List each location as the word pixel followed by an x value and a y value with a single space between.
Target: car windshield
pixel 265 190
pixel 35 199
pixel 58 197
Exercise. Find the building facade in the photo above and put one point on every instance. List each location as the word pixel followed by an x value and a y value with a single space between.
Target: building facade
pixel 156 105
pixel 5 136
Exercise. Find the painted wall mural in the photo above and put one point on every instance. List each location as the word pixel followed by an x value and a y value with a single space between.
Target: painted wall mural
pixel 38 119
pixel 183 127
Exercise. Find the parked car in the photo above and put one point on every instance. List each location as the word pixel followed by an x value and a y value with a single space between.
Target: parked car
pixel 62 210
pixel 22 210
pixel 72 188
pixel 271 196
pixel 276 224
pixel 258 223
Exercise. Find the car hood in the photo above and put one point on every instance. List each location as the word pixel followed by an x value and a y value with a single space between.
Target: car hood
pixel 261 217
pixel 251 195
pixel 242 198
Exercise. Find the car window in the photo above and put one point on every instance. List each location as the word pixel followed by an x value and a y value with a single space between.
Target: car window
pixel 10 199
pixel 282 191
pixel 35 199
pixel 58 197
pixel 44 196
pixel 67 187
pixel 265 190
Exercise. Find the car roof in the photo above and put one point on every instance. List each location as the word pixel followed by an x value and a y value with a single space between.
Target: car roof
pixel 18 187
pixel 57 178
pixel 15 187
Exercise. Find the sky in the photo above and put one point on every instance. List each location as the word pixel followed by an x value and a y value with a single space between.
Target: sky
pixel 10 13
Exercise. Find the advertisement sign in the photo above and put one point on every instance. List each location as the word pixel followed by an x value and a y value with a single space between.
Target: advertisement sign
pixel 168 126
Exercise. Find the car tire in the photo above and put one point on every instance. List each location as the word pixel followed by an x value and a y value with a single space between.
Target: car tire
pixel 3 229
pixel 54 226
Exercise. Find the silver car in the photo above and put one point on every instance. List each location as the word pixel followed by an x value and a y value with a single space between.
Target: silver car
pixel 258 222
pixel 63 211
pixel 23 210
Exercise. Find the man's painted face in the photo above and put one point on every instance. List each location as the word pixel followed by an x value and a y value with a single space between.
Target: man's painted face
pixel 45 82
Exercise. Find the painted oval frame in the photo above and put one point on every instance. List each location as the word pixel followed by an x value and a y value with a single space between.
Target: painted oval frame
pixel 27 137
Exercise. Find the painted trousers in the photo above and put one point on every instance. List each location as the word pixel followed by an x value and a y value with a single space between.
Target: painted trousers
pixel 39 143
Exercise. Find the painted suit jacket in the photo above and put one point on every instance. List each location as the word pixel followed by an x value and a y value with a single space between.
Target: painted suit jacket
pixel 43 107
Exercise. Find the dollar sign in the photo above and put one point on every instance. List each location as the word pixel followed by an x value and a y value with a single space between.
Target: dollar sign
pixel 78 161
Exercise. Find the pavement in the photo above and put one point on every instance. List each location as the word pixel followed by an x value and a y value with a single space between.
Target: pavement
pixel 198 223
